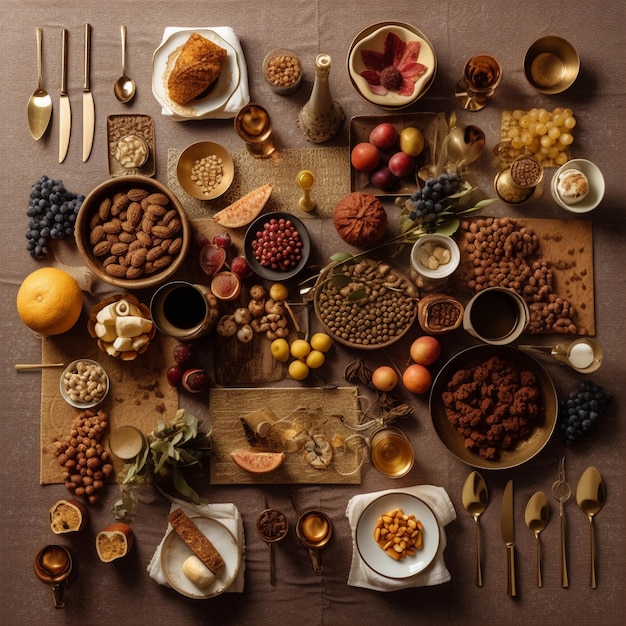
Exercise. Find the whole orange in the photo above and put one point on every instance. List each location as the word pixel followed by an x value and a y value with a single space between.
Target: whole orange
pixel 384 378
pixel 417 378
pixel 425 350
pixel 49 301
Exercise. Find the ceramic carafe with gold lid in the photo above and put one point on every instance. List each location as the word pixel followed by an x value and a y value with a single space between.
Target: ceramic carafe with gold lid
pixel 321 117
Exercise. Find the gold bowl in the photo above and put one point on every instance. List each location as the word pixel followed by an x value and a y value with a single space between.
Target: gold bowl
pixel 190 170
pixel 526 448
pixel 97 224
pixel 551 64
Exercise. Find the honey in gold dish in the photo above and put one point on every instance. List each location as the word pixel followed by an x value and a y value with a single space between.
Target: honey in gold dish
pixel 391 452
pixel 314 528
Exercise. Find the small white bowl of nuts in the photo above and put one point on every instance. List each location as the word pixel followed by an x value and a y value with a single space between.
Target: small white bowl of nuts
pixel 84 384
pixel 283 71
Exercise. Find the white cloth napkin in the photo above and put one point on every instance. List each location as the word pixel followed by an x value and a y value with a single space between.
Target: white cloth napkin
pixel 436 573
pixel 241 95
pixel 227 514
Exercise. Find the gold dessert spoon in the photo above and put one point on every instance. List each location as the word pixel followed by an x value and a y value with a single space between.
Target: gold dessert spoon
pixel 475 499
pixel 590 495
pixel 536 515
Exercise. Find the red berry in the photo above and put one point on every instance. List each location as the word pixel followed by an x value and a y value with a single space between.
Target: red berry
pixel 196 380
pixel 182 353
pixel 239 266
pixel 222 240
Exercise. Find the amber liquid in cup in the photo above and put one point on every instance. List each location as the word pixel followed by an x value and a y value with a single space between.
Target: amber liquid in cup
pixel 483 74
pixel 391 452
pixel 254 126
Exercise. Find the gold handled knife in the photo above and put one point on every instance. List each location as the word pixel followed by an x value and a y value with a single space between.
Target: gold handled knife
pixel 65 123
pixel 507 527
pixel 89 113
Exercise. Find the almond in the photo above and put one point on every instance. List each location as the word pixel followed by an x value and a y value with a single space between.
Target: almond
pixel 169 216
pixel 102 248
pixel 162 262
pixel 174 226
pixel 119 248
pixel 112 226
pixel 154 253
pixel 127 237
pixel 128 227
pixel 96 235
pixel 115 269
pixel 144 238
pixel 175 245
pixel 155 198
pixel 94 221
pixel 137 195
pixel 104 209
pixel 138 257
pixel 160 231
pixel 133 272
pixel 134 213
pixel 156 211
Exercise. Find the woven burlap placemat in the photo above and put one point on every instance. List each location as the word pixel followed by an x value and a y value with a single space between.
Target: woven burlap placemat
pixel 331 167
pixel 301 412
pixel 139 393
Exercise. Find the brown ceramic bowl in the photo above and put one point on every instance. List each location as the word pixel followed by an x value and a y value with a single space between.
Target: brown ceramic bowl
pixel 88 221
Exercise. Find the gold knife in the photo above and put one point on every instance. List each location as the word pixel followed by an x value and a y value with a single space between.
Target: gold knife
pixel 507 527
pixel 65 124
pixel 89 113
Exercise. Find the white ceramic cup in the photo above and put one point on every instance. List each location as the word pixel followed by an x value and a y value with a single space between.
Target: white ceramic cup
pixel 496 316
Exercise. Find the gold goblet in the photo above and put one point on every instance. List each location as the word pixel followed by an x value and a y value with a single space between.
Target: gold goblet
pixel 481 77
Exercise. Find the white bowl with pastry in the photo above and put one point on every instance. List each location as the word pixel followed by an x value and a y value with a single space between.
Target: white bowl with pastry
pixel 578 186
pixel 194 72
pixel 186 572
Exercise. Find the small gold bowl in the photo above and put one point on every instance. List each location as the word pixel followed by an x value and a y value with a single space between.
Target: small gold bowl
pixel 551 64
pixel 191 174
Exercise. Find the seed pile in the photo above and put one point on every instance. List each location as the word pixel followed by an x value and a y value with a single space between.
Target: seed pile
pixel 399 534
pixel 283 70
pixel 208 172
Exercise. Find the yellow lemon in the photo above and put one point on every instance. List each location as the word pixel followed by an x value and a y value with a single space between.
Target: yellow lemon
pixel 411 141
pixel 300 348
pixel 315 359
pixel 298 370
pixel 279 292
pixel 321 342
pixel 280 350
pixel 49 301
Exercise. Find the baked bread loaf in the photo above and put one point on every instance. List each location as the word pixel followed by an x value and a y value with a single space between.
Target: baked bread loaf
pixel 197 66
pixel 360 219
pixel 200 545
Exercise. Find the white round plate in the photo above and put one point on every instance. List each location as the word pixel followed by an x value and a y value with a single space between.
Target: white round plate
pixel 373 554
pixel 596 186
pixel 174 552
pixel 227 82
pixel 375 41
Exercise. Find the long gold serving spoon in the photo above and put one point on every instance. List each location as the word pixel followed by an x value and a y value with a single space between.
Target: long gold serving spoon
pixel 475 499
pixel 590 495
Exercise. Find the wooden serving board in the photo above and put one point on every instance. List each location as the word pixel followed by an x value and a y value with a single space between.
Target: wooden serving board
pixel 318 410
pixel 567 246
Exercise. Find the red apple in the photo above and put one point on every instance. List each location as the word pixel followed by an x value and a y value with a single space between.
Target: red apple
pixel 417 379
pixel 384 136
pixel 364 157
pixel 401 164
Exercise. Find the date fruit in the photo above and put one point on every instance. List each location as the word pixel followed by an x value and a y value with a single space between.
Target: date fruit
pixel 196 380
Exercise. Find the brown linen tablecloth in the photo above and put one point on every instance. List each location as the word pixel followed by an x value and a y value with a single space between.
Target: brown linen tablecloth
pixel 123 592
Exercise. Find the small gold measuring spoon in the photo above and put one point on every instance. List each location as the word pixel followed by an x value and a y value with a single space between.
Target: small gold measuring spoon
pixel 278 534
pixel 561 491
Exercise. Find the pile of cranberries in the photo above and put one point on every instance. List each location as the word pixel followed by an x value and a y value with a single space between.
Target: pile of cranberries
pixel 278 246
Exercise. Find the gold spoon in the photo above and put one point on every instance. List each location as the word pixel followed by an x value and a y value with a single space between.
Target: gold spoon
pixel 590 495
pixel 475 498
pixel 536 515
pixel 40 103
pixel 124 86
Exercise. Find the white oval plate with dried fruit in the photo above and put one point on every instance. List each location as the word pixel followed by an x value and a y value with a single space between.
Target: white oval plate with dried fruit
pixel 375 557
pixel 163 62
pixel 175 552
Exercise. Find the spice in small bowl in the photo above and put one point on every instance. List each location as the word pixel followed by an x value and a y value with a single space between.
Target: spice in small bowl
pixel 283 71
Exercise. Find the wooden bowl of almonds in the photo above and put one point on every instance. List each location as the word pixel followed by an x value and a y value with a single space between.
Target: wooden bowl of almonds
pixel 366 304
pixel 132 232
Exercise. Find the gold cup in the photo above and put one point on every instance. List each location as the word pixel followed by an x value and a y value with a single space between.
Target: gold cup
pixel 551 64
pixel 254 126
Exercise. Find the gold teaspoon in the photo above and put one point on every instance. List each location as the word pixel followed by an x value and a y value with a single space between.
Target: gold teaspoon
pixel 536 516
pixel 590 495
pixel 475 499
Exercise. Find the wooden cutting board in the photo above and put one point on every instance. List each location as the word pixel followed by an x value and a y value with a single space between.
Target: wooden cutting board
pixel 567 246
pixel 319 411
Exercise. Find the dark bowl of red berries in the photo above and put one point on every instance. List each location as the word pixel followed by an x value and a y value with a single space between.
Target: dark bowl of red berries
pixel 277 246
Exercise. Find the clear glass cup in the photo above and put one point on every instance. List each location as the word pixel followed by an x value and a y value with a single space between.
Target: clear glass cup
pixel 391 452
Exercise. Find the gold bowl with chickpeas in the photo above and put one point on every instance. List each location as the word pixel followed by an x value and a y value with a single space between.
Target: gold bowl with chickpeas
pixel 84 384
pixel 205 170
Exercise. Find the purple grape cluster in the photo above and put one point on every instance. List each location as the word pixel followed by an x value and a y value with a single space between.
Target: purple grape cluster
pixel 580 413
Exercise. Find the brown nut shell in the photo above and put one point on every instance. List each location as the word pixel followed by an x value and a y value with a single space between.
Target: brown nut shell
pixel 68 516
pixel 114 542
pixel 360 219
pixel 439 313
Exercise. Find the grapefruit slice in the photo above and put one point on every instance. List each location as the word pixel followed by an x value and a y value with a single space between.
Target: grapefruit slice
pixel 258 462
pixel 243 211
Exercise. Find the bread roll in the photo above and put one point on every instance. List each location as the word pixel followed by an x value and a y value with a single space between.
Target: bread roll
pixel 197 572
pixel 197 66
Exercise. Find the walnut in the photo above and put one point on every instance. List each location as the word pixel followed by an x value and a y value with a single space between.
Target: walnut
pixel 360 219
